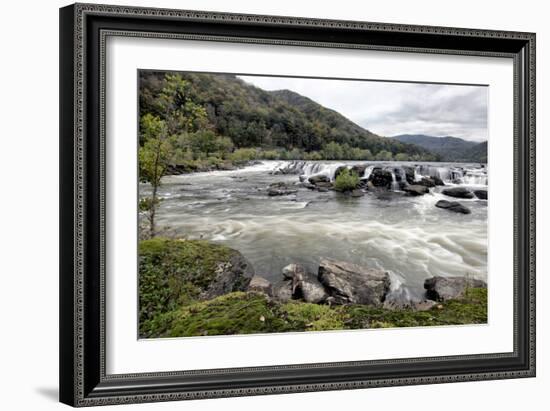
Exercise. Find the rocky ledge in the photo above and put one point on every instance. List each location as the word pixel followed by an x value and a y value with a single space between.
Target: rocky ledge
pixel 344 283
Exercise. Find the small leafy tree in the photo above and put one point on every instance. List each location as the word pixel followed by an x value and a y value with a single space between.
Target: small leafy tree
pixel 401 157
pixel 154 158
pixel 384 156
pixel 346 181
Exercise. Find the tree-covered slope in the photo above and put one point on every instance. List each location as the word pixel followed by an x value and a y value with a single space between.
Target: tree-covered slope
pixel 448 148
pixel 252 117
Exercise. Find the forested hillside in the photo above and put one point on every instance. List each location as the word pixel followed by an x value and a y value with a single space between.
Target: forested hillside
pixel 222 117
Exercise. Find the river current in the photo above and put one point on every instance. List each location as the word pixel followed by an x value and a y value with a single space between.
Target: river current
pixel 407 236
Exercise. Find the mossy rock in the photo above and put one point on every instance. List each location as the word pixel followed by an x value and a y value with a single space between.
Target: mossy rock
pixel 174 273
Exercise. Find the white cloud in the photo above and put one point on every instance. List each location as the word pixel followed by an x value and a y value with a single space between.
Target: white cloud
pixel 388 108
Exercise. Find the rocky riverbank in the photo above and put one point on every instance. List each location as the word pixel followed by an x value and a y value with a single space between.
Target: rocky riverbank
pixel 190 288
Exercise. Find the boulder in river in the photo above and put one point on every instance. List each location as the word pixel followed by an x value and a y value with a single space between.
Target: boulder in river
pixel 458 192
pixel 381 178
pixel 453 206
pixel 348 283
pixel 481 194
pixel 409 174
pixel 359 169
pixel 438 181
pixel 447 288
pixel 280 189
pixel 356 193
pixel 260 285
pixel 319 178
pixel 304 285
pixel 426 181
pixel 233 275
pixel 415 189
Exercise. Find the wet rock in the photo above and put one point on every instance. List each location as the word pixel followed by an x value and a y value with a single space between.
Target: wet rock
pixel 426 181
pixel 308 185
pixel 481 194
pixel 356 193
pixel 323 190
pixel 234 275
pixel 381 178
pixel 319 178
pixel 359 169
pixel 458 192
pixel 280 189
pixel 323 184
pixel 438 181
pixel 415 189
pixel 348 283
pixel 260 285
pixel 409 174
pixel 447 288
pixel 304 285
pixel 453 206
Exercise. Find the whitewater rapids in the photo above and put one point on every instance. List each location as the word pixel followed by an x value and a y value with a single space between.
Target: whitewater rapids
pixel 407 236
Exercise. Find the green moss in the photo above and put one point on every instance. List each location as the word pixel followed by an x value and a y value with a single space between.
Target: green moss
pixel 172 273
pixel 251 313
pixel 471 309
pixel 312 317
pixel 234 313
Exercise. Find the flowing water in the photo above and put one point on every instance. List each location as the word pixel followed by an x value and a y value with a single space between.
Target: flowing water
pixel 407 236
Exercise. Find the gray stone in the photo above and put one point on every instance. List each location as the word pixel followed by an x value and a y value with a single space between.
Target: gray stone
pixel 415 189
pixel 320 178
pixel 260 285
pixel 447 288
pixel 349 283
pixel 233 275
pixel 458 192
pixel 304 285
pixel 481 194
pixel 453 206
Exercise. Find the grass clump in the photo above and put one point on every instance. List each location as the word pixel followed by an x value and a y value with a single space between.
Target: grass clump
pixel 346 181
pixel 173 273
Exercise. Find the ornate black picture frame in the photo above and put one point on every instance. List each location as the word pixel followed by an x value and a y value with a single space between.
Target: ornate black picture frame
pixel 83 30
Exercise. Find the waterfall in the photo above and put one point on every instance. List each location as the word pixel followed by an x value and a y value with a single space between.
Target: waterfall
pixel 394 184
pixel 367 173
pixel 449 174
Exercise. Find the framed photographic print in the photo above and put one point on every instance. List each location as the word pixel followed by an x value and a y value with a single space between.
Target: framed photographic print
pixel 260 204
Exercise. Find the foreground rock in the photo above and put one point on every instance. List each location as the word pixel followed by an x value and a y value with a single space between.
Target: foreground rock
pixel 453 206
pixel 415 189
pixel 260 285
pixel 481 194
pixel 348 283
pixel 304 285
pixel 280 189
pixel 448 288
pixel 233 275
pixel 458 192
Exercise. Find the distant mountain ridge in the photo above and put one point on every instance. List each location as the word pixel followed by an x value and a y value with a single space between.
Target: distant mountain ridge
pixel 448 148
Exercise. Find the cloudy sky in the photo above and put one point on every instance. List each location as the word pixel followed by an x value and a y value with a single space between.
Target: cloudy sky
pixel 390 109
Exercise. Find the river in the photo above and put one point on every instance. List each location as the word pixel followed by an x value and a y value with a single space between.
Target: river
pixel 407 236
